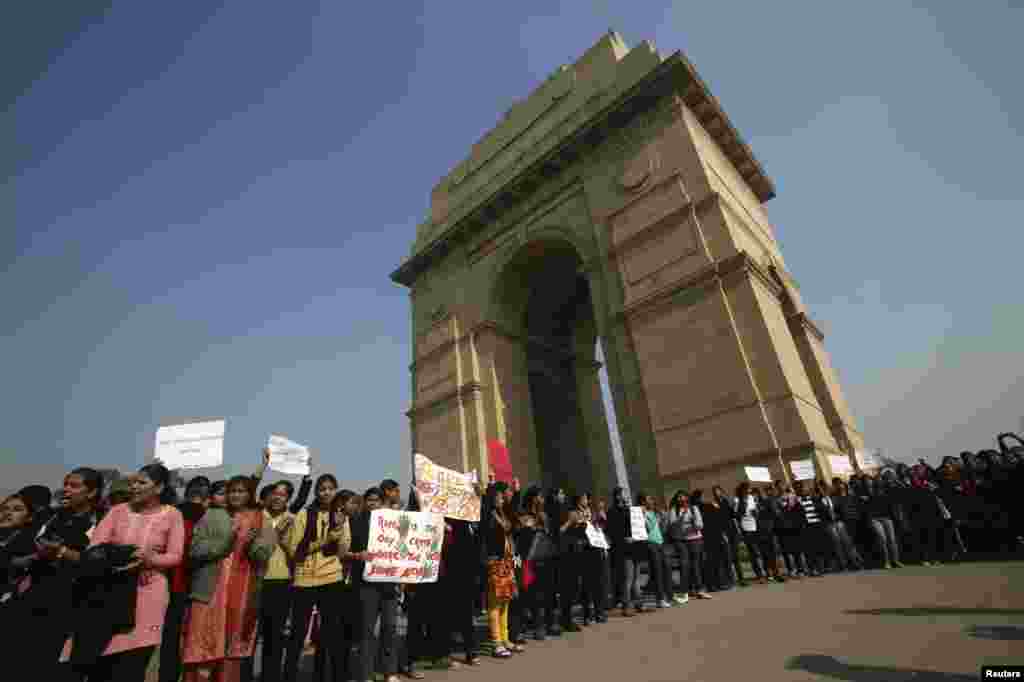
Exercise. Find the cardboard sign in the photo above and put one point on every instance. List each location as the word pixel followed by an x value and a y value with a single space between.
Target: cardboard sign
pixel 637 523
pixel 288 457
pixel 803 470
pixel 840 465
pixel 191 446
pixel 444 491
pixel 497 457
pixel 404 547
pixel 596 538
pixel 758 474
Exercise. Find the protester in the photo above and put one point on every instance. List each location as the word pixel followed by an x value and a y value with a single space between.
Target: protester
pixel 655 552
pixel 746 517
pixel 230 551
pixel 155 528
pixel 17 543
pixel 318 544
pixel 686 532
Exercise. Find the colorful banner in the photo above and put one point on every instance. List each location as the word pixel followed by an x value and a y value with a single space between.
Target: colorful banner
pixel 404 547
pixel 637 523
pixel 446 492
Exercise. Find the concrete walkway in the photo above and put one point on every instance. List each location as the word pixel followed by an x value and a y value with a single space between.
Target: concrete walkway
pixel 916 623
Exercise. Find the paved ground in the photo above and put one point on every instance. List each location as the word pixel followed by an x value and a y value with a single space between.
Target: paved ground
pixel 922 624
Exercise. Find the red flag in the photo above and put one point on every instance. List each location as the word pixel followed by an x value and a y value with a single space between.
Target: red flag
pixel 498 458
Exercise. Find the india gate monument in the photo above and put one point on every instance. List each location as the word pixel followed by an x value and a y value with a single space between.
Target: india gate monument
pixel 616 203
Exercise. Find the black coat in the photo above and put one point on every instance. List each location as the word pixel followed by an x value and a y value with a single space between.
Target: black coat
pixel 103 601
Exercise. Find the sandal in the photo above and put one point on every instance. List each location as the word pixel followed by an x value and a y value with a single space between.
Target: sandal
pixel 517 648
pixel 473 661
pixel 502 652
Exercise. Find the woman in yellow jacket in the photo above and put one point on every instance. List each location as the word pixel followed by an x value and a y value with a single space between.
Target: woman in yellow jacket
pixel 317 542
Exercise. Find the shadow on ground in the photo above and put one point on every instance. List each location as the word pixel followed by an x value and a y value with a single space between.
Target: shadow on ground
pixel 1003 633
pixel 819 664
pixel 935 611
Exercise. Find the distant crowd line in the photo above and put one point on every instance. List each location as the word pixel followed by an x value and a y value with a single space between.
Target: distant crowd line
pixel 137 586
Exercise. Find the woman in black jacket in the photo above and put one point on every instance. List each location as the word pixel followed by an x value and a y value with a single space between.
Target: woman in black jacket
pixel 625 568
pixel 848 513
pixel 717 571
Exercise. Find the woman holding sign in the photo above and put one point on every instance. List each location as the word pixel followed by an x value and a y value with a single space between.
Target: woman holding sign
pixel 496 518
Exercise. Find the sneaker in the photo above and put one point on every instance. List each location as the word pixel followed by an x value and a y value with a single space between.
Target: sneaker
pixel 702 595
pixel 897 564
pixel 664 604
pixel 682 599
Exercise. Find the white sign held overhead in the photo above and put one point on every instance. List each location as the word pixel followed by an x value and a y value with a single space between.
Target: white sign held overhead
pixel 191 446
pixel 868 459
pixel 758 474
pixel 803 470
pixel 288 457
pixel 840 465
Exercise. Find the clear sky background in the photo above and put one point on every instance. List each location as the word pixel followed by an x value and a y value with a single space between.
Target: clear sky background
pixel 202 203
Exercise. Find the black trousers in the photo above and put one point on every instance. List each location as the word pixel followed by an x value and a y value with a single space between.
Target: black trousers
pixel 734 556
pixel 717 573
pixel 377 601
pixel 538 600
pixel 570 569
pixel 127 666
pixel 691 564
pixel 275 607
pixel 656 570
pixel 595 599
pixel 753 542
pixel 335 603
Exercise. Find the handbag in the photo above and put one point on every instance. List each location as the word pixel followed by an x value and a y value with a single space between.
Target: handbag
pixel 501 575
pixel 542 548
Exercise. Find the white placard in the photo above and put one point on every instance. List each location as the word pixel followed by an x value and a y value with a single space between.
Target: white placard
pixel 840 464
pixel 758 474
pixel 637 523
pixel 803 470
pixel 596 537
pixel 868 459
pixel 287 456
pixel 191 446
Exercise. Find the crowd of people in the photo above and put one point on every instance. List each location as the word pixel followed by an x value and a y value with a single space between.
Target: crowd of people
pixel 136 585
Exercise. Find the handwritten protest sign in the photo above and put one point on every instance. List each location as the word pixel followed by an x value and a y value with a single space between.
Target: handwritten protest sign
pixel 637 523
pixel 803 469
pixel 444 491
pixel 596 537
pixel 758 474
pixel 191 446
pixel 404 547
pixel 288 457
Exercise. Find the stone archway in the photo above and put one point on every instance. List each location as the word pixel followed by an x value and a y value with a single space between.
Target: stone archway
pixel 616 201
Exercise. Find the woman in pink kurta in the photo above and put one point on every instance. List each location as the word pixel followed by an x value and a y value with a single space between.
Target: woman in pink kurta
pixel 158 531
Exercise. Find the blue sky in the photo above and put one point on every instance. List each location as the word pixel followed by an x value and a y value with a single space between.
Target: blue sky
pixel 201 208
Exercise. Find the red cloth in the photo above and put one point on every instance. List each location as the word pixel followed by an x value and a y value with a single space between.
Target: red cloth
pixel 498 458
pixel 180 573
pixel 528 575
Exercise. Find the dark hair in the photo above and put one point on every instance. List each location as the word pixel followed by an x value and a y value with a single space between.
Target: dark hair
pixel 743 489
pixel 200 485
pixel 243 481
pixel 640 497
pixel 39 496
pixel 265 491
pixel 697 497
pixel 218 488
pixel 271 487
pixel 160 475
pixel 92 479
pixel 341 499
pixel 680 495
pixel 388 484
pixel 373 492
pixel 24 499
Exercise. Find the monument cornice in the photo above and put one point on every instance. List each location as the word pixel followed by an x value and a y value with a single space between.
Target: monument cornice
pixel 675 74
pixel 802 320
pixel 467 390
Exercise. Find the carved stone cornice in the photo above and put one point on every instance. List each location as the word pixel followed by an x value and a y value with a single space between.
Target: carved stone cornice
pixel 466 391
pixel 801 320
pixel 675 75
